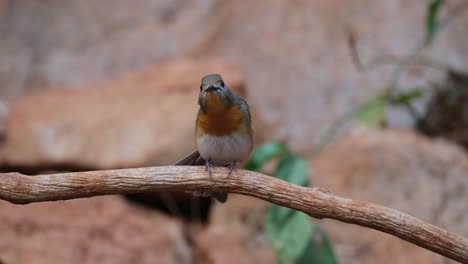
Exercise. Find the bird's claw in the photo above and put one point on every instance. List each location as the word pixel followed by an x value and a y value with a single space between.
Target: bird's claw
pixel 232 167
pixel 208 166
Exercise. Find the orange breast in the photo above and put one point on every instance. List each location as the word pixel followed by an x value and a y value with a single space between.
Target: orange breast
pixel 220 123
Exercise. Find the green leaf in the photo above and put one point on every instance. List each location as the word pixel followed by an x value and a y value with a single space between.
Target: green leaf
pixel 293 170
pixel 405 98
pixel 296 238
pixel 264 153
pixel 280 215
pixel 432 12
pixel 319 250
pixel 284 167
pixel 291 238
pixel 373 112
pixel 290 232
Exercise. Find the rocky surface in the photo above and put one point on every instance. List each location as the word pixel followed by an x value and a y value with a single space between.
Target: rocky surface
pixel 146 117
pixel 234 233
pixel 293 53
pixel 118 70
pixel 395 168
pixel 96 230
pixel 399 169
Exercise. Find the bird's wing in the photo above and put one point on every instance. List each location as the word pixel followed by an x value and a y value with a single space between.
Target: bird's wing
pixel 191 159
pixel 244 107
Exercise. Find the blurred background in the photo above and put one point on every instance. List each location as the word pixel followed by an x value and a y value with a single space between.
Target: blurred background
pixel 368 99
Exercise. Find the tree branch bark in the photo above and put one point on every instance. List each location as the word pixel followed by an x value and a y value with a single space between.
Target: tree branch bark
pixel 21 189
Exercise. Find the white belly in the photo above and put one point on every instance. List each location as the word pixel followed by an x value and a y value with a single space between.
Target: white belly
pixel 225 149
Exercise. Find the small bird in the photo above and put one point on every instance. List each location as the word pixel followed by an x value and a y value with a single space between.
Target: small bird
pixel 223 130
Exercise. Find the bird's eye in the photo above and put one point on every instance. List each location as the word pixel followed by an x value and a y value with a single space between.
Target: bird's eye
pixel 201 88
pixel 222 84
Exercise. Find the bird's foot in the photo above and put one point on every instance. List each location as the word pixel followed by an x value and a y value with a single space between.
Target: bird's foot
pixel 208 166
pixel 232 167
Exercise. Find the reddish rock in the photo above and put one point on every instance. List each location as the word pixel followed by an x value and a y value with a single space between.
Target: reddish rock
pixel 399 169
pixel 235 233
pixel 220 245
pixel 3 116
pixel 96 230
pixel 142 118
pixel 299 75
pixel 294 54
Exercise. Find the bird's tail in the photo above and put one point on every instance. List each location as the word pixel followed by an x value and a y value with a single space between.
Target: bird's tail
pixel 220 196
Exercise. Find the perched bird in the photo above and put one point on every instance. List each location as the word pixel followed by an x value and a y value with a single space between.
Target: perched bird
pixel 223 130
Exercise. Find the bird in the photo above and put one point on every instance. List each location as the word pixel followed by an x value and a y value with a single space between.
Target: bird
pixel 223 129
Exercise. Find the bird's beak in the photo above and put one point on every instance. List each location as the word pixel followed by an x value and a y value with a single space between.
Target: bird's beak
pixel 212 88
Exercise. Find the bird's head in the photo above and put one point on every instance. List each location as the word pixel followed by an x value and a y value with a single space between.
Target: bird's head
pixel 215 95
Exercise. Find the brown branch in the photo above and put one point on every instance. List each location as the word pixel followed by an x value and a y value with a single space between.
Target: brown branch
pixel 22 189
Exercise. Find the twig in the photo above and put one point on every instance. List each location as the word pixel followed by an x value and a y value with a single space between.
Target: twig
pixel 21 189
